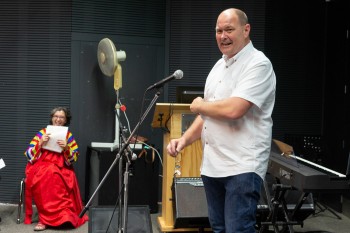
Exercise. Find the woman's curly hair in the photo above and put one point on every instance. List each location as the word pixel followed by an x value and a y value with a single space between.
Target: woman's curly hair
pixel 66 112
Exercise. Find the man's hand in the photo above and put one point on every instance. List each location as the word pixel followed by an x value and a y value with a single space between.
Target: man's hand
pixel 175 146
pixel 196 105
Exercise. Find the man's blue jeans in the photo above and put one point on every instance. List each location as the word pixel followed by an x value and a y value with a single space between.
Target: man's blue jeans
pixel 232 202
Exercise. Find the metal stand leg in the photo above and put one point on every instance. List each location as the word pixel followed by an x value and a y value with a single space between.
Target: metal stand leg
pixel 123 205
pixel 323 208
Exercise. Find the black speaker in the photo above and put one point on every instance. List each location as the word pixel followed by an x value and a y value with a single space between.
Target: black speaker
pixel 143 179
pixel 139 220
pixel 189 203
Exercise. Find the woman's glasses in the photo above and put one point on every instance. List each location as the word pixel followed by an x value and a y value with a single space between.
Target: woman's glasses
pixel 59 117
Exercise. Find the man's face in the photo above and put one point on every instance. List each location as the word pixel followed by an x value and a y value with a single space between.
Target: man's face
pixel 231 36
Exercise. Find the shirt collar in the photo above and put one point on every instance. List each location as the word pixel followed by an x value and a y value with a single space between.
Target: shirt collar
pixel 230 61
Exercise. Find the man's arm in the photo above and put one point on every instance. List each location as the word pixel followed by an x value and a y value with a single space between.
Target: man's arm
pixel 231 108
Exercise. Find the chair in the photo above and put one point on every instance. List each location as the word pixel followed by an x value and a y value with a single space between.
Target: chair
pixel 25 200
pixel 20 203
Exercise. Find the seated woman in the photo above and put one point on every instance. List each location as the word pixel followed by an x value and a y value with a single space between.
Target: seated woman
pixel 50 178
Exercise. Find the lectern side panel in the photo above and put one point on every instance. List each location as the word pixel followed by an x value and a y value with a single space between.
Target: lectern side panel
pixel 168 174
pixel 176 122
pixel 191 160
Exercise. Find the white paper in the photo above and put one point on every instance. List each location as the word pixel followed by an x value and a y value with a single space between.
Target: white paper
pixel 2 163
pixel 56 133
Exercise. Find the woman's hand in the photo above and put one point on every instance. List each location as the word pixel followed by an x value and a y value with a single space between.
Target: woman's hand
pixel 44 139
pixel 62 144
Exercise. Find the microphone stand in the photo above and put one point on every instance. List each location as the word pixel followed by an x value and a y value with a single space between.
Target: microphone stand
pixel 123 218
pixel 118 157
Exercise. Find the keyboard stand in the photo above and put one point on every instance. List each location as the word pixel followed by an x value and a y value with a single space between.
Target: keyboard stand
pixel 275 205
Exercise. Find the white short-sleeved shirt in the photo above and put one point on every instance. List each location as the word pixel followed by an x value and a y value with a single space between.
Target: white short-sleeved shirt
pixel 232 147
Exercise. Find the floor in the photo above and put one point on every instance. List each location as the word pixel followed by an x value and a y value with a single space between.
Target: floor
pixel 323 222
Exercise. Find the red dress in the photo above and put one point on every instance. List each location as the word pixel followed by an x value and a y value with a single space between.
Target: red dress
pixel 54 187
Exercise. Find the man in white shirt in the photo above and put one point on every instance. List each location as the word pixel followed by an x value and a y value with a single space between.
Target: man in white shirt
pixel 235 125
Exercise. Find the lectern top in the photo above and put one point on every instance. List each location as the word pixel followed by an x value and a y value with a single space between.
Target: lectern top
pixel 163 112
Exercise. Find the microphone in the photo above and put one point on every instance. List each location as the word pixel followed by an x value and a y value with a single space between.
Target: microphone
pixel 176 75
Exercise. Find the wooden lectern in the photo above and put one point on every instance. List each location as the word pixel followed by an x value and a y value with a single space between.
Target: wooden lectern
pixel 175 119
